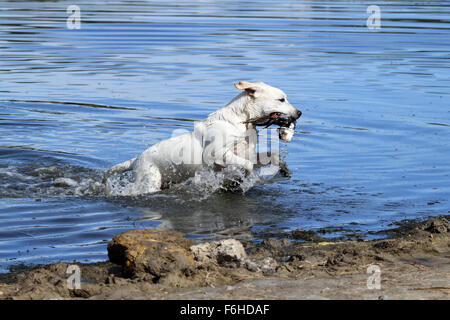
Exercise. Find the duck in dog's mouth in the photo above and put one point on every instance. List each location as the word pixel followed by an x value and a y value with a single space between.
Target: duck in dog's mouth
pixel 286 123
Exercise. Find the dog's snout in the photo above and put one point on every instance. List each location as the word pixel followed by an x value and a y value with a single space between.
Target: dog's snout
pixel 298 114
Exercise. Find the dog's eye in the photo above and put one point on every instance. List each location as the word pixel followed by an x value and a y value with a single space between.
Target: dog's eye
pixel 282 100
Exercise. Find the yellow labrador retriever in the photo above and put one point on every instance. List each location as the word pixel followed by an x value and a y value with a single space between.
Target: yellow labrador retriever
pixel 227 137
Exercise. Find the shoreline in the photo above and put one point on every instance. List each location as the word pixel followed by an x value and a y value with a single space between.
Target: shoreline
pixel 149 264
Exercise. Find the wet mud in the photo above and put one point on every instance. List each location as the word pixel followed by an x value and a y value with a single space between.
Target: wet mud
pixel 413 263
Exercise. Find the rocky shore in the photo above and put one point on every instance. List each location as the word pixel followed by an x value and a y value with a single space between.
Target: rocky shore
pixel 153 264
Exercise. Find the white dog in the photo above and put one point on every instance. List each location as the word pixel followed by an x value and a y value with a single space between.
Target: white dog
pixel 226 137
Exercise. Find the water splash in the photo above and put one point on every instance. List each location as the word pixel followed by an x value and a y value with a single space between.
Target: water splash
pixel 30 180
pixel 199 187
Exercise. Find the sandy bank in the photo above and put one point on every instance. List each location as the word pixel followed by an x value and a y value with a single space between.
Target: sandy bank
pixel 414 264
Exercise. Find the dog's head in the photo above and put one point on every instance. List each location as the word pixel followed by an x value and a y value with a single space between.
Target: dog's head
pixel 269 105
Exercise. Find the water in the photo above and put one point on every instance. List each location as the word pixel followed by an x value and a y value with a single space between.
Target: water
pixel 371 148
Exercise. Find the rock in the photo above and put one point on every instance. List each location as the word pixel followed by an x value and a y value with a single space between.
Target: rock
pixel 80 293
pixel 223 252
pixel 437 225
pixel 154 252
pixel 265 265
pixel 231 253
pixel 385 244
pixel 251 266
pixel 272 243
pixel 306 236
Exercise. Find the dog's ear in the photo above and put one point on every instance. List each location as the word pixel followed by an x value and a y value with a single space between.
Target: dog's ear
pixel 251 88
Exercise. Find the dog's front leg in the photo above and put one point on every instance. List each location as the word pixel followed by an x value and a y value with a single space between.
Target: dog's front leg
pixel 225 145
pixel 225 157
pixel 232 159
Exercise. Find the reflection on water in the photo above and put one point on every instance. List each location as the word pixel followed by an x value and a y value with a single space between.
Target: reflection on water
pixel 372 146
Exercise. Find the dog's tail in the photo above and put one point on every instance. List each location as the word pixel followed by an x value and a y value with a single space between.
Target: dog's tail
pixel 118 168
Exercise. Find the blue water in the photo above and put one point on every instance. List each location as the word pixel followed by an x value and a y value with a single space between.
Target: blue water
pixel 372 146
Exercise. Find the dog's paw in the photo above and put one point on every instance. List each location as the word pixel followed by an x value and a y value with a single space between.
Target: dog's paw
pixel 248 167
pixel 284 170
